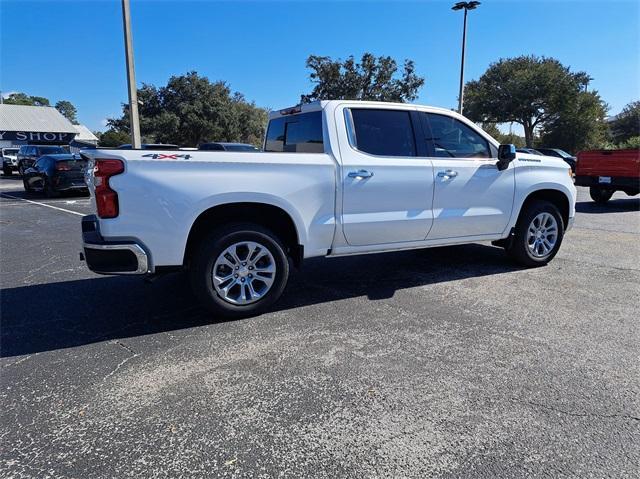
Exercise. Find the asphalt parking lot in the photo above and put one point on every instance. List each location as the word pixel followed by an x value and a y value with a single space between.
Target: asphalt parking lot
pixel 449 362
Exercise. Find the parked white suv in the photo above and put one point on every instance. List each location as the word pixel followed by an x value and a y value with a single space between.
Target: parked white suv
pixel 335 178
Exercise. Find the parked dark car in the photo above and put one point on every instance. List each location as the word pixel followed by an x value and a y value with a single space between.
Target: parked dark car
pixel 53 174
pixel 9 160
pixel 558 153
pixel 28 154
pixel 150 146
pixel 529 151
pixel 221 146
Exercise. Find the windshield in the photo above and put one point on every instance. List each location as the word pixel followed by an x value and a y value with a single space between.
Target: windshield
pixel 564 154
pixel 50 150
pixel 10 151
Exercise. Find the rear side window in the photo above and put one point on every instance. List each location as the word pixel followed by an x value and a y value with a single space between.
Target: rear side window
pixel 382 132
pixel 453 139
pixel 296 134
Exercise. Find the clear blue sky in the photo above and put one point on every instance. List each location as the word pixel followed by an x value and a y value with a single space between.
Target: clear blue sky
pixel 74 49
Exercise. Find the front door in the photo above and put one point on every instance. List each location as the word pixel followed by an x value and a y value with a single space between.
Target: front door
pixel 387 179
pixel 471 197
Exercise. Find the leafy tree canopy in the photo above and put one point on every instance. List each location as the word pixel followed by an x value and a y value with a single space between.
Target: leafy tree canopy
pixel 68 110
pixel 503 138
pixel 627 123
pixel 371 79
pixel 580 125
pixel 113 138
pixel 24 99
pixel 536 92
pixel 191 109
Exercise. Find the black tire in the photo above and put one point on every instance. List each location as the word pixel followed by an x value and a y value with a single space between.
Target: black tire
pixel 7 171
pixel 600 195
pixel 519 247
pixel 210 248
pixel 49 190
pixel 20 170
pixel 27 188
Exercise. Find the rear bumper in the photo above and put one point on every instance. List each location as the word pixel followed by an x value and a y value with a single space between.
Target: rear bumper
pixel 111 257
pixel 67 182
pixel 617 182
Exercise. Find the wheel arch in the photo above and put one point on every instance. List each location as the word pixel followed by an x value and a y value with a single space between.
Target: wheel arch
pixel 554 196
pixel 270 216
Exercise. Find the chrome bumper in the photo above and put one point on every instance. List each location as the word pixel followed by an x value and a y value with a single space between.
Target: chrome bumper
pixel 111 257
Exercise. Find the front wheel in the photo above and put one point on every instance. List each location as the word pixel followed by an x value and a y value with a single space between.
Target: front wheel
pixel 239 270
pixel 599 195
pixel 538 234
pixel 7 171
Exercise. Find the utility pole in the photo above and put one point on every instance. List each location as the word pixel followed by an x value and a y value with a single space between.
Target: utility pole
pixel 131 76
pixel 466 6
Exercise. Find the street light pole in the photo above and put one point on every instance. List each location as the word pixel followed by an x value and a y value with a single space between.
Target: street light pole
pixel 131 76
pixel 466 6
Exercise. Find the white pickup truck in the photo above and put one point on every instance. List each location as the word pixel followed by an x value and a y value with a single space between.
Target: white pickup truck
pixel 335 178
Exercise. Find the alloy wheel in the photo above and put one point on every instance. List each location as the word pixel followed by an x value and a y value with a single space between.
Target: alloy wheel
pixel 244 272
pixel 542 235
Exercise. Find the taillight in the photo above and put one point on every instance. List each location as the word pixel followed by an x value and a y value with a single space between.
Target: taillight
pixel 62 166
pixel 106 198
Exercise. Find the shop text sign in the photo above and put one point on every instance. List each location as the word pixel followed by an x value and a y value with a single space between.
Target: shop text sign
pixel 37 136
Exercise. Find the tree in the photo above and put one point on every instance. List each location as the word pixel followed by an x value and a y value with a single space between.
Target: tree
pixel 528 90
pixel 24 99
pixel 112 138
pixel 627 124
pixel 580 126
pixel 504 138
pixel 371 79
pixel 190 109
pixel 68 110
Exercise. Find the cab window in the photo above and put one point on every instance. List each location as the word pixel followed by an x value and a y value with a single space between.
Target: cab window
pixel 381 132
pixel 450 138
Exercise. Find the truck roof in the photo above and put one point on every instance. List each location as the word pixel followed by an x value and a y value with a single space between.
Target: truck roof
pixel 323 104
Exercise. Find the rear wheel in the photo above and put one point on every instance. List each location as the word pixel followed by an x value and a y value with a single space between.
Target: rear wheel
pixel 538 234
pixel 600 195
pixel 7 171
pixel 239 270
pixel 49 190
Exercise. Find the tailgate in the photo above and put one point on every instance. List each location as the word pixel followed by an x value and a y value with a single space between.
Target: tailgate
pixel 616 163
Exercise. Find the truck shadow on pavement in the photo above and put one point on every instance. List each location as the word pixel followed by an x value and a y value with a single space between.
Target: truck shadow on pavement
pixel 612 206
pixel 53 316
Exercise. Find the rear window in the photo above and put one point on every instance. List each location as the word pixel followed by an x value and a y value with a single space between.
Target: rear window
pixel 50 150
pixel 240 148
pixel 296 134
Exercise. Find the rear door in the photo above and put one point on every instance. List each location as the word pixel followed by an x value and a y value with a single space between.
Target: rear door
pixel 471 196
pixel 386 176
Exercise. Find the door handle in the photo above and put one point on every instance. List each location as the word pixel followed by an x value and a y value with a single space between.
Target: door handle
pixel 360 174
pixel 447 174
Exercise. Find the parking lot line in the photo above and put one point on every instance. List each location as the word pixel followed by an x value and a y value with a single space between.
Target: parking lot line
pixel 41 204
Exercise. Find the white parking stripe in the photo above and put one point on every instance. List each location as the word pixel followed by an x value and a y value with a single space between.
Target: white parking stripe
pixel 41 204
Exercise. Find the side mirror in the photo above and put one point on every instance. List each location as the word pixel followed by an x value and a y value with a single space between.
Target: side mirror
pixel 506 154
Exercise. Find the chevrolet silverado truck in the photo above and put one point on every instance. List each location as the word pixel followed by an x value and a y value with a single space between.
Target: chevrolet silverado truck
pixel 335 178
pixel 606 171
